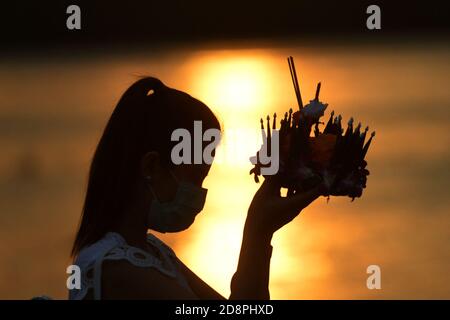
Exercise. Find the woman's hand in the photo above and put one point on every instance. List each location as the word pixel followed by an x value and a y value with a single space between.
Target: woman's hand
pixel 269 211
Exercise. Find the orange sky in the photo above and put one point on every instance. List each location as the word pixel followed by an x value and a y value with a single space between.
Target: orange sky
pixel 53 114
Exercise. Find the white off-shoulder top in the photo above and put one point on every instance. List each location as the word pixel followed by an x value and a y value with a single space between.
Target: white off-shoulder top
pixel 114 247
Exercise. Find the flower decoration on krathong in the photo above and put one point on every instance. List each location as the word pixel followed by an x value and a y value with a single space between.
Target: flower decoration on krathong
pixel 333 157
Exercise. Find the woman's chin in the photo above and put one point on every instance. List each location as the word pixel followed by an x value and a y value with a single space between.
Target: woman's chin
pixel 184 226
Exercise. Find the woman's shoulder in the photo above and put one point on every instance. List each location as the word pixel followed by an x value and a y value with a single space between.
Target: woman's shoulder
pixel 114 249
pixel 88 260
pixel 122 280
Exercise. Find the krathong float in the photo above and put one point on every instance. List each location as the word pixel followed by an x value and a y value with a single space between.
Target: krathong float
pixel 333 156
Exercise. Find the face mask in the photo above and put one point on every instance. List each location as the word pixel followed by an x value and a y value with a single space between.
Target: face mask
pixel 179 213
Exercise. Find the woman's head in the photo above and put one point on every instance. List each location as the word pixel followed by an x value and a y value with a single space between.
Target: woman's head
pixel 135 148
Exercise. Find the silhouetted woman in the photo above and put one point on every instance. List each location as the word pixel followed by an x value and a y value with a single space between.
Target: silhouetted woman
pixel 134 186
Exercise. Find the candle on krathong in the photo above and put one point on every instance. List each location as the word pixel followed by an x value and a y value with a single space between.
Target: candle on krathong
pixel 318 91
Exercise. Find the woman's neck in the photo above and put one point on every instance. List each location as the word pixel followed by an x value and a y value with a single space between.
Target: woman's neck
pixel 133 227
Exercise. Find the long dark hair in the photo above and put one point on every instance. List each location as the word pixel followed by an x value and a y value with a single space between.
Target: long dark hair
pixel 142 121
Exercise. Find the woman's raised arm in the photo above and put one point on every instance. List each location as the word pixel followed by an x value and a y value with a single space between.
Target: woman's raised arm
pixel 268 212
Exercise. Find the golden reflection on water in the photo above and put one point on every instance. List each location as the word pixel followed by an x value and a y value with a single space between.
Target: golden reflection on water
pixel 401 223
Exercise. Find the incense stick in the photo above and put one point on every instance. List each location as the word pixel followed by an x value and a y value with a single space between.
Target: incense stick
pixel 295 82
